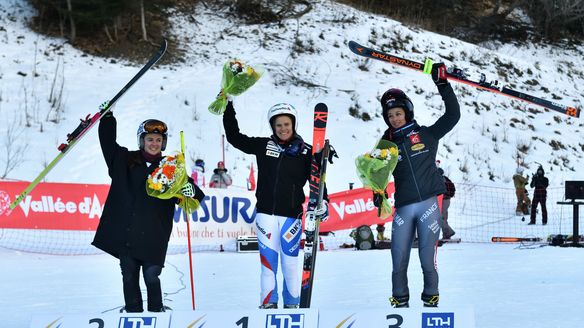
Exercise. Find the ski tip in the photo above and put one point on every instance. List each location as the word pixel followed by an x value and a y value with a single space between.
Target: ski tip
pixel 321 107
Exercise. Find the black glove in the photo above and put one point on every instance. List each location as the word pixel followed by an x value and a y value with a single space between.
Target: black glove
pixel 378 198
pixel 439 74
pixel 332 153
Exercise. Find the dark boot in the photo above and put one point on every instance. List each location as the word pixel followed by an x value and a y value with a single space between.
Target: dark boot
pixel 430 300
pixel 400 301
pixel 269 306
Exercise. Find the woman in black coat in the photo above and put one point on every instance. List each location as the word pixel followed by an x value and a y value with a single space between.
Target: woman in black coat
pixel 134 226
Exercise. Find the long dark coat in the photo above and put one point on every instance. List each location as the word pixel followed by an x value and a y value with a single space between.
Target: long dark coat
pixel 132 222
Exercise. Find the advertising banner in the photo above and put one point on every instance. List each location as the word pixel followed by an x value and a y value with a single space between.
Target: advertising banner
pixel 224 213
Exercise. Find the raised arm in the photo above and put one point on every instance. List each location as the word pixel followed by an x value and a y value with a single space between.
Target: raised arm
pixel 452 114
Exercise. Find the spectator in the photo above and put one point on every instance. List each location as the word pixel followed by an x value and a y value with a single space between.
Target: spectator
pixel 540 183
pixel 220 178
pixel 198 173
pixel 447 231
pixel 523 202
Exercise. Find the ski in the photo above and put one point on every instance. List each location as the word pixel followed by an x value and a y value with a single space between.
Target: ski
pixel 515 239
pixel 458 75
pixel 316 193
pixel 86 125
pixel 448 241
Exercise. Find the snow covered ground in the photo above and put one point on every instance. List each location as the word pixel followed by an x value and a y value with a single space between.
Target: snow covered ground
pixel 507 286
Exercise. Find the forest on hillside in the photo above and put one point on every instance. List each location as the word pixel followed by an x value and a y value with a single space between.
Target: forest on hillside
pixel 128 28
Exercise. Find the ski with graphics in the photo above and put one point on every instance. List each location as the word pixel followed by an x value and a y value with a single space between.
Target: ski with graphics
pixel 458 75
pixel 87 123
pixel 315 196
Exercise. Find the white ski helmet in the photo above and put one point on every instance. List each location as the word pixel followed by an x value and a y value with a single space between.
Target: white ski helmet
pixel 282 109
pixel 152 126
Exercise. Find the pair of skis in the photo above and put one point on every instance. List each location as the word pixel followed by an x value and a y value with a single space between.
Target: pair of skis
pixel 315 196
pixel 86 125
pixel 458 75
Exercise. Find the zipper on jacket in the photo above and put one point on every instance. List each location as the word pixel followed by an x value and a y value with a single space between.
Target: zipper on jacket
pixel 276 182
pixel 411 167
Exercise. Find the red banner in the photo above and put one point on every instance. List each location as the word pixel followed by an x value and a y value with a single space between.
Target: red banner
pixel 68 206
pixel 352 208
pixel 55 206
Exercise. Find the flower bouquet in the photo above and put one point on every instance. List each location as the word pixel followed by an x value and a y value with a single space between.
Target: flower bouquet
pixel 167 180
pixel 374 169
pixel 237 78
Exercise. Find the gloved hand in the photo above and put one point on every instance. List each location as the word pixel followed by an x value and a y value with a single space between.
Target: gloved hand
pixel 332 153
pixel 439 74
pixel 188 190
pixel 321 213
pixel 378 198
pixel 102 108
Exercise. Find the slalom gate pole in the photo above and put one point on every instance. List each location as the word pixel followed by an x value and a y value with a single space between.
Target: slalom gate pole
pixel 187 218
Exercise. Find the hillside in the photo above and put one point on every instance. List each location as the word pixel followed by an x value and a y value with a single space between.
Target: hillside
pixel 307 61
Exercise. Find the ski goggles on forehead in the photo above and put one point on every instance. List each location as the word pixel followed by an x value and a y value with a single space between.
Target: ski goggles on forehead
pixel 155 126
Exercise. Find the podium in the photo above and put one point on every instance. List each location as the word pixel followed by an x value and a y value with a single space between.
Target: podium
pixel 575 234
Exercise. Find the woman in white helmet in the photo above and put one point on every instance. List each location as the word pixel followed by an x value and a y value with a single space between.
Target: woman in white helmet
pixel 283 162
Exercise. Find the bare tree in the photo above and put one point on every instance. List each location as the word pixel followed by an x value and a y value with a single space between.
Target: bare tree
pixel 143 21
pixel 71 21
pixel 14 148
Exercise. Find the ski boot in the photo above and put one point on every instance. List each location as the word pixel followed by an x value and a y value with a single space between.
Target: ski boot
pixel 268 306
pixel 400 301
pixel 164 308
pixel 430 300
pixel 290 306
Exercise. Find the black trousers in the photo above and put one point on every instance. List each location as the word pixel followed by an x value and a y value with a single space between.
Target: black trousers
pixel 131 280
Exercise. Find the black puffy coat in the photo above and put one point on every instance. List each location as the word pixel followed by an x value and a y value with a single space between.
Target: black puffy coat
pixel 132 222
pixel 416 175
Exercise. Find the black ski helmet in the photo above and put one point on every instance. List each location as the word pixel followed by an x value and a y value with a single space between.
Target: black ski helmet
pixel 396 98
pixel 152 126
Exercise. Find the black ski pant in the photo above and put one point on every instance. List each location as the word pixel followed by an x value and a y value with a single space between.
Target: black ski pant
pixel 423 217
pixel 131 281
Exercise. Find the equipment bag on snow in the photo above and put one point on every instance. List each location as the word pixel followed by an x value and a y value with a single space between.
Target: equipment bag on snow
pixel 363 237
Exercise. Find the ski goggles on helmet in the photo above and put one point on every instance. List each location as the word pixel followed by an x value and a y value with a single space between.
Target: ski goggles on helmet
pixel 155 126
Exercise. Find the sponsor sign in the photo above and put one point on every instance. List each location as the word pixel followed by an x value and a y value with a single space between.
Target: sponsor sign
pixel 224 214
pixel 113 320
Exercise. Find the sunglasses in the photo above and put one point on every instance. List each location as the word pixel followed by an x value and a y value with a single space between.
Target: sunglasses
pixel 155 126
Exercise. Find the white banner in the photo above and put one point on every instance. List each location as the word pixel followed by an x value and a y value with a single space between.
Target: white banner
pixel 110 320
pixel 224 215
pixel 397 318
pixel 285 318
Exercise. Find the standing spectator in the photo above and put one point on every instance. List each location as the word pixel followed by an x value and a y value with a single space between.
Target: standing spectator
pixel 540 183
pixel 284 163
pixel 134 226
pixel 220 178
pixel 198 173
pixel 447 231
pixel 417 185
pixel 523 202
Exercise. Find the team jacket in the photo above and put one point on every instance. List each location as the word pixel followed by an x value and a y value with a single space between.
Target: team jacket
pixel 416 175
pixel 281 177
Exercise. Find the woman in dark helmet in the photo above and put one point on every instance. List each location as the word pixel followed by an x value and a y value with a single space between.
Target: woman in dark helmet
pixel 283 162
pixel 134 226
pixel 417 185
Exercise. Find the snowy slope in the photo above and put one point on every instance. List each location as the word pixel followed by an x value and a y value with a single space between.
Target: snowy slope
pixel 482 145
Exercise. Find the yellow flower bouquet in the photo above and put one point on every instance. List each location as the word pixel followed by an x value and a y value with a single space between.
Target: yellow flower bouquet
pixel 374 170
pixel 237 78
pixel 167 180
